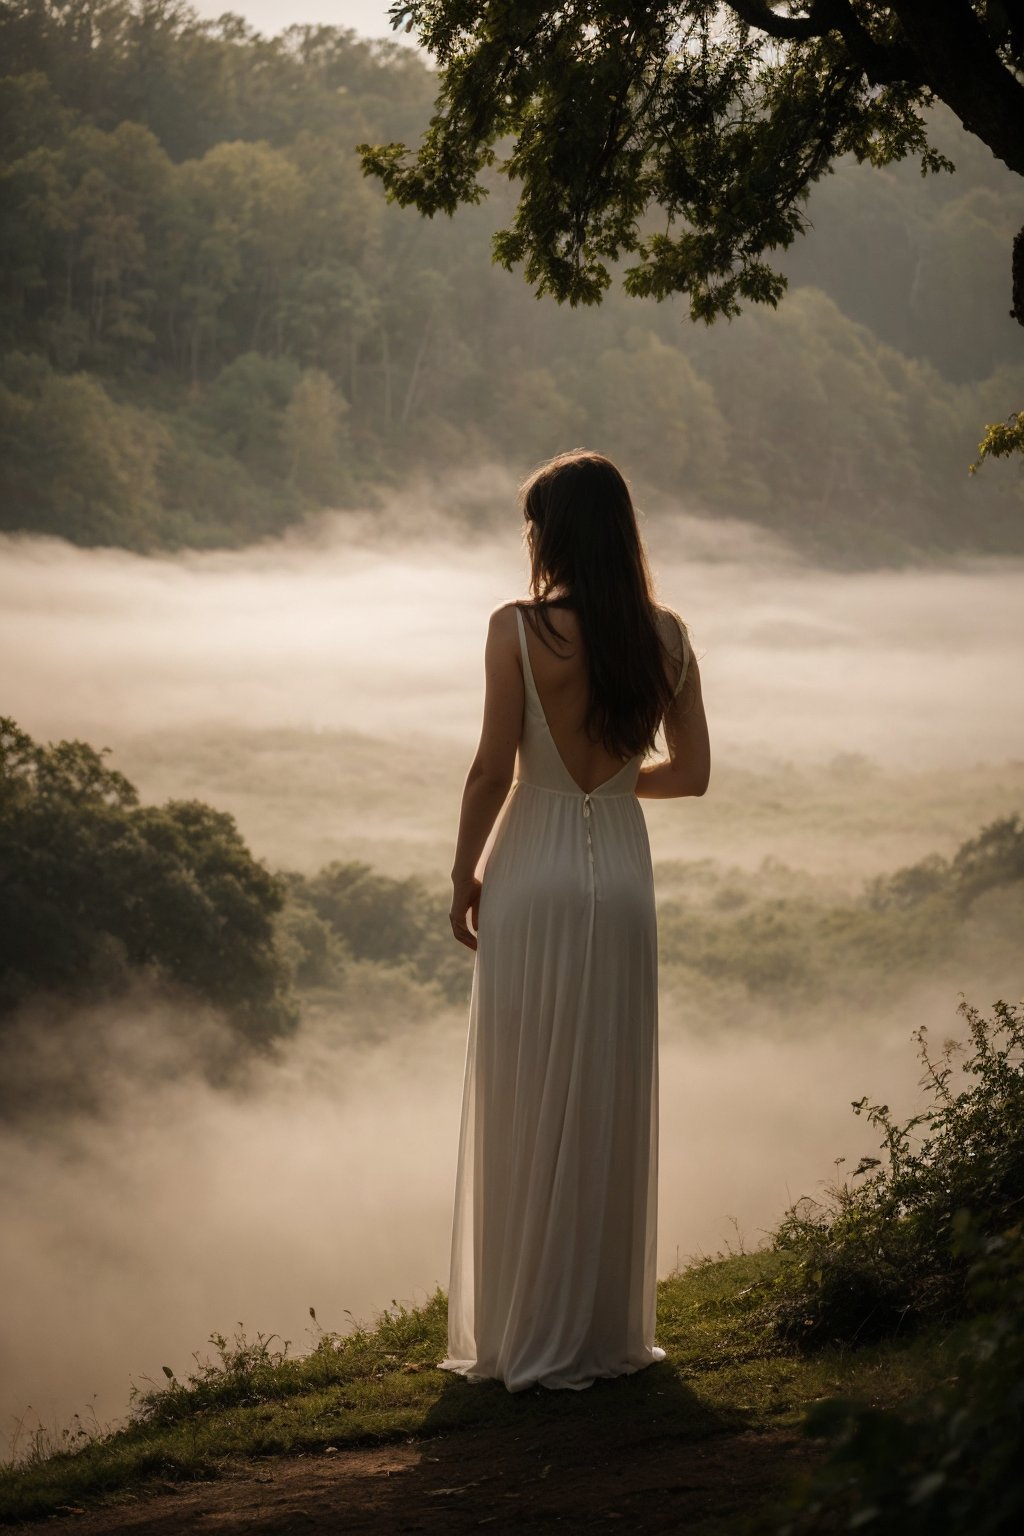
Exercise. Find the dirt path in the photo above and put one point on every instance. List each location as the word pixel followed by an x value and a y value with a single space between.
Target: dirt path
pixel 570 1478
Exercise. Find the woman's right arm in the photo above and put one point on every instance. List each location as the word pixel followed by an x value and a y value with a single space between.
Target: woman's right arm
pixel 688 768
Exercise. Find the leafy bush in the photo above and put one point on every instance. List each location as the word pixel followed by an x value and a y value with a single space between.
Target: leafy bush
pixel 372 917
pixel 949 1462
pixel 995 857
pixel 96 889
pixel 783 940
pixel 246 1371
pixel 878 1257
pixel 315 955
pixel 253 1371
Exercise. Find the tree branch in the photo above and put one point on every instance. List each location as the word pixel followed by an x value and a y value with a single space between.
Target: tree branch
pixel 882 63
pixel 960 64
pixel 759 14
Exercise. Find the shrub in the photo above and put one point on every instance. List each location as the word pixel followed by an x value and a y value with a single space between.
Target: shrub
pixel 373 917
pixel 878 1256
pixel 97 889
pixel 948 1462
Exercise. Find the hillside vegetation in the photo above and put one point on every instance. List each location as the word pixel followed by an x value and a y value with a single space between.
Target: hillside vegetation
pixel 922 1420
pixel 108 900
pixel 104 898
pixel 213 325
pixel 885 1316
pixel 99 891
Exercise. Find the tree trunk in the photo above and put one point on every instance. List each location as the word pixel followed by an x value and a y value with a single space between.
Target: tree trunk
pixel 194 357
pixel 414 378
pixel 385 358
pixel 960 63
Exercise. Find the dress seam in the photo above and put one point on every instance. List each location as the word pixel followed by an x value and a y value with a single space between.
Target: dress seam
pixel 579 794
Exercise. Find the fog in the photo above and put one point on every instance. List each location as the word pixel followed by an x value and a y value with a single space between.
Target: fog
pixel 182 1210
pixel 376 625
pixel 326 688
pixel 368 17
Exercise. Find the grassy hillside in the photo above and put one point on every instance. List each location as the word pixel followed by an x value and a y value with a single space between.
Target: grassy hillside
pixel 724 1375
pixel 860 1298
pixel 891 1311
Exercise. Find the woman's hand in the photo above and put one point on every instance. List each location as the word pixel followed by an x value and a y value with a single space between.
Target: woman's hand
pixel 466 898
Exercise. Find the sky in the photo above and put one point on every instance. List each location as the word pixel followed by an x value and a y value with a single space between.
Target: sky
pixel 369 17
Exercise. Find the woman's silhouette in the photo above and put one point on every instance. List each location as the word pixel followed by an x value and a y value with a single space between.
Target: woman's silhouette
pixel 554 1246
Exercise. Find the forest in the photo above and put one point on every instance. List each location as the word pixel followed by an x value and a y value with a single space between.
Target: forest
pixel 214 325
pixel 106 902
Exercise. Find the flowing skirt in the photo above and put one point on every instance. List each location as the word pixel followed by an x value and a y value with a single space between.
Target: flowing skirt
pixel 554 1244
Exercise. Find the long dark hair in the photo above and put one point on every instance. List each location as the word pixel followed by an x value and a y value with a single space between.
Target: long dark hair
pixel 586 554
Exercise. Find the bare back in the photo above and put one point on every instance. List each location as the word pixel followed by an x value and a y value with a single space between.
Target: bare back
pixel 562 681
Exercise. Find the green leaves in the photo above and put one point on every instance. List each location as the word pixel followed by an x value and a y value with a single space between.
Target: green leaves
pixel 1002 438
pixel 894 1249
pixel 948 1461
pixel 214 323
pixel 681 113
pixel 98 889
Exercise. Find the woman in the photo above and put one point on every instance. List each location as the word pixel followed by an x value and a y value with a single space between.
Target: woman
pixel 554 1247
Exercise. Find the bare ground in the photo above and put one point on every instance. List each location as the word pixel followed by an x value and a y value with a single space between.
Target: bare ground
pixel 567 1477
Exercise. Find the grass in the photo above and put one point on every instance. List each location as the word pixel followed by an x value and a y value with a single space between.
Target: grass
pixel 724 1372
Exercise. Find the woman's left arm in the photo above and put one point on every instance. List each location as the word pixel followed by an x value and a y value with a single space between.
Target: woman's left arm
pixel 490 774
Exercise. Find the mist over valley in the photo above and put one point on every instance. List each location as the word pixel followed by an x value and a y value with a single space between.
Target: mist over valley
pixel 261 437
pixel 325 689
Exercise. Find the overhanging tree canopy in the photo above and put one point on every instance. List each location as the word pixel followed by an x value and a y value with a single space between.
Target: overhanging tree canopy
pixel 686 133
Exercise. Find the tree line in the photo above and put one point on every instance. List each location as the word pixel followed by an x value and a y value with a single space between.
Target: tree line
pixel 104 899
pixel 213 323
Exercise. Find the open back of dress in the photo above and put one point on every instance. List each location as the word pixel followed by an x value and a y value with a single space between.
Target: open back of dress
pixel 554 1244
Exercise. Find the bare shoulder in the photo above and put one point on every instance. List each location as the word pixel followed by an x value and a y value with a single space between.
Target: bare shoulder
pixel 676 638
pixel 503 618
pixel 671 622
pixel 502 631
pixel 665 613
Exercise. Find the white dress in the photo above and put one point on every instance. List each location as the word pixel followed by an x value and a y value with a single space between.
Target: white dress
pixel 554 1244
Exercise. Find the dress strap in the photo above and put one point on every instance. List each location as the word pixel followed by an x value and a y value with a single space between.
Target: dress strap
pixel 524 652
pixel 685 652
